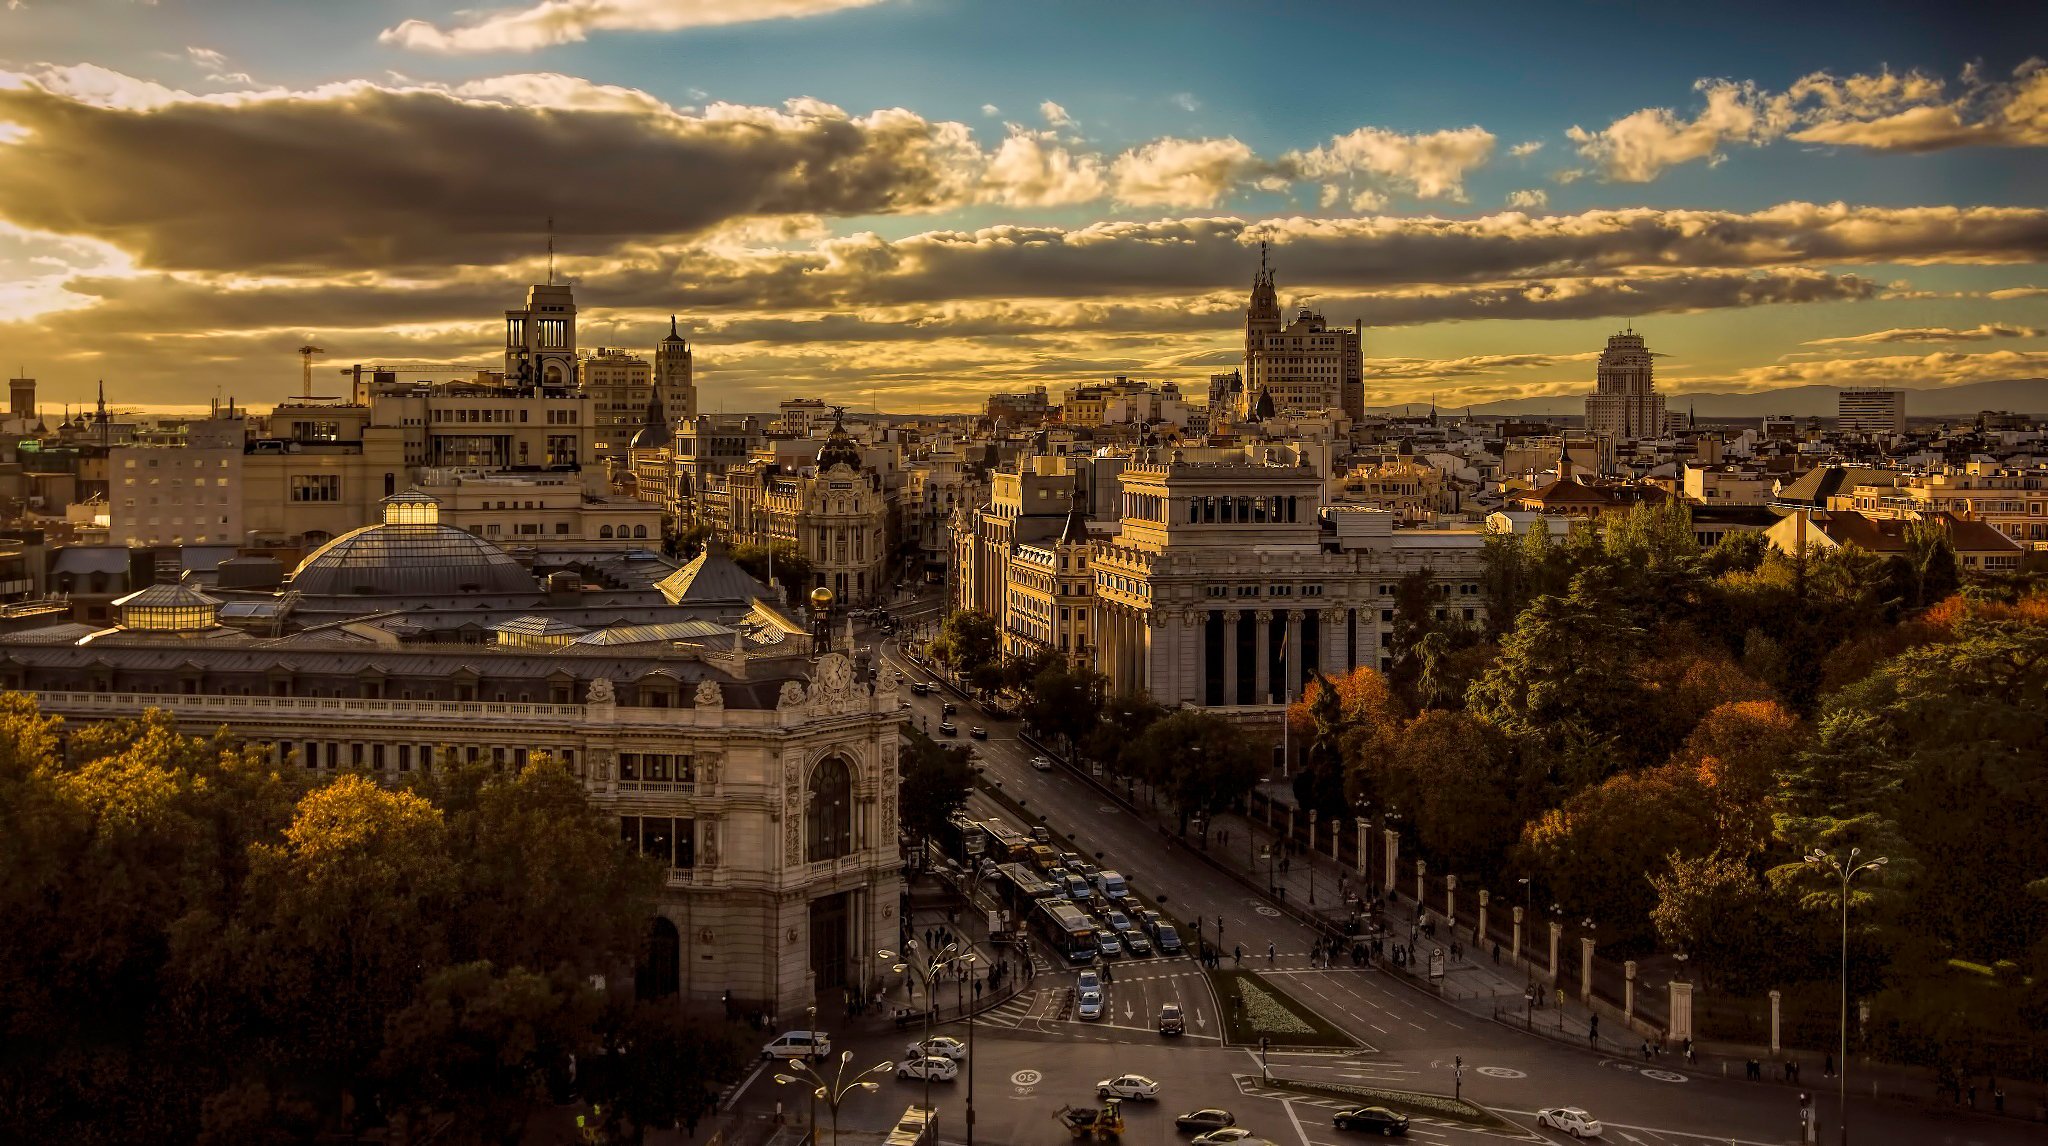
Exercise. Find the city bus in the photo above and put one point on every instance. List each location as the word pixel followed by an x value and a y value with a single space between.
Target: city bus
pixel 1019 889
pixel 1065 929
pixel 1005 844
pixel 962 840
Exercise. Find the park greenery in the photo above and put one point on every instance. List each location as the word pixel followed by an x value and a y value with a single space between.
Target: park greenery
pixel 1656 734
pixel 935 780
pixel 206 946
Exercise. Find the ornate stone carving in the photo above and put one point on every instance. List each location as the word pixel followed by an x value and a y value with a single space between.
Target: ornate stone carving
pixel 710 856
pixel 707 769
pixel 792 810
pixel 889 815
pixel 792 696
pixel 601 691
pixel 709 695
pixel 601 762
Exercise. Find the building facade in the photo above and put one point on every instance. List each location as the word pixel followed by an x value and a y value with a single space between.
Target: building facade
pixel 1871 412
pixel 1303 365
pixel 1625 404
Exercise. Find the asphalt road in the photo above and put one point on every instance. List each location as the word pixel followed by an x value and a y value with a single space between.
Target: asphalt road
pixel 1030 1060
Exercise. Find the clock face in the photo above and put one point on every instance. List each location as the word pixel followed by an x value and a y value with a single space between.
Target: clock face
pixel 836 672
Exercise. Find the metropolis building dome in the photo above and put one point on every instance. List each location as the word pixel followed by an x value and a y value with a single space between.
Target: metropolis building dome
pixel 410 555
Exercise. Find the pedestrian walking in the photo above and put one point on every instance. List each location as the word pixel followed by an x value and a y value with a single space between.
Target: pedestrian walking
pixel 1827 1066
pixel 1269 952
pixel 1496 952
pixel 1646 1050
pixel 1998 1101
pixel 1973 1096
pixel 1691 1058
pixel 1237 956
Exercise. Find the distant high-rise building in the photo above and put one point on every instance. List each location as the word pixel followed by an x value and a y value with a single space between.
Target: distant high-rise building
pixel 540 339
pixel 675 379
pixel 1624 403
pixel 1871 411
pixel 619 385
pixel 21 398
pixel 1302 364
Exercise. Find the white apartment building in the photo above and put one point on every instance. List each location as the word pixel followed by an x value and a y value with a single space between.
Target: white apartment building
pixel 798 416
pixel 187 495
pixel 1728 485
pixel 1880 412
pixel 1303 365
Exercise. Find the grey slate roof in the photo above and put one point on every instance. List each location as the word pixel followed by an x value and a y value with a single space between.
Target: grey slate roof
pixel 712 577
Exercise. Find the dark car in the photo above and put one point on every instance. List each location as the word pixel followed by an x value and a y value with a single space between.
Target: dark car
pixel 946 727
pixel 1209 1119
pixel 919 687
pixel 1167 938
pixel 948 708
pixel 1371 1119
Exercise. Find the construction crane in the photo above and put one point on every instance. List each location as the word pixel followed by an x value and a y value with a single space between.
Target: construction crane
pixel 306 354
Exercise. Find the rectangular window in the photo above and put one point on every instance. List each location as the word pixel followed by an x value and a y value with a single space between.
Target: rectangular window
pixel 316 487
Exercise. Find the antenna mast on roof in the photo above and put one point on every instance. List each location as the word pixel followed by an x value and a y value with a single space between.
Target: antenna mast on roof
pixel 551 250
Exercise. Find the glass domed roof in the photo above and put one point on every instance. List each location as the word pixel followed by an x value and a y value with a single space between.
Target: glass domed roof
pixel 411 555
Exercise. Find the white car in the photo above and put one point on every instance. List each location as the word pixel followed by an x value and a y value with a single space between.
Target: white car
pixel 1091 1005
pixel 929 1069
pixel 813 1045
pixel 940 1047
pixel 1571 1120
pixel 1090 981
pixel 1042 763
pixel 1127 1086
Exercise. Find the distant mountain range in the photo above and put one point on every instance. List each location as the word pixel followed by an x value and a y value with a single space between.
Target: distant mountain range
pixel 2020 395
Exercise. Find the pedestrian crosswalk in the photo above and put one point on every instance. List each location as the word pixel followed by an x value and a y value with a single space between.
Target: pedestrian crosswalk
pixel 1250 1086
pixel 1019 1008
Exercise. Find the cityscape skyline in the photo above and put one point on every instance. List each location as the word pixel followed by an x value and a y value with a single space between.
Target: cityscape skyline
pixel 1062 210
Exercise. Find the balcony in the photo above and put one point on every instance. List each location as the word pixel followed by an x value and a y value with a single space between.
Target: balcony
pixel 682 876
pixel 667 787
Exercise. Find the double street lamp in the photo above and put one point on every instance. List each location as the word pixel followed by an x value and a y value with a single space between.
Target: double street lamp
pixel 928 971
pixel 834 1091
pixel 1846 871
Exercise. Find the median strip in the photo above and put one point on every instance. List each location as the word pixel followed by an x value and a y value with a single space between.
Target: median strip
pixel 1412 1102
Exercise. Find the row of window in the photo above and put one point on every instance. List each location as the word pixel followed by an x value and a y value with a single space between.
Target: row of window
pixel 1243 510
pixel 1271 590
pixel 670 839
pixel 334 754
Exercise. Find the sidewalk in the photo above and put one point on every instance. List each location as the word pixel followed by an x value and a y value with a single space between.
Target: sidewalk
pixel 935 906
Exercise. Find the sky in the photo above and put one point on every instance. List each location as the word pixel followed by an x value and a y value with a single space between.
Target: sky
pixel 918 202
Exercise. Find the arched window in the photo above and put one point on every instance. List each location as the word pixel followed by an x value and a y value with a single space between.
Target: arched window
pixel 660 972
pixel 828 822
pixel 604 531
pixel 639 531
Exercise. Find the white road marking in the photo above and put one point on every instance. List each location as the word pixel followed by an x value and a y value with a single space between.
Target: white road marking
pixel 1296 1119
pixel 742 1087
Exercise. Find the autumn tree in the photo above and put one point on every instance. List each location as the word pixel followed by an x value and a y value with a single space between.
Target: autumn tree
pixel 1598 853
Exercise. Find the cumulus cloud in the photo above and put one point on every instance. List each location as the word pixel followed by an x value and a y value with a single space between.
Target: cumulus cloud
pixel 1186 101
pixel 1055 115
pixel 1882 111
pixel 1032 168
pixel 1427 166
pixel 2008 293
pixel 1183 172
pixel 1524 150
pixel 1980 333
pixel 555 22
pixel 1530 199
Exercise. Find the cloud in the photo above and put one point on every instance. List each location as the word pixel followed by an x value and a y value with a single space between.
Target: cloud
pixel 555 22
pixel 1055 115
pixel 1920 372
pixel 1980 333
pixel 1532 199
pixel 2018 292
pixel 1524 150
pixel 1431 166
pixel 380 176
pixel 991 110
pixel 1033 169
pixel 1639 147
pixel 1183 172
pixel 1881 111
pixel 1186 101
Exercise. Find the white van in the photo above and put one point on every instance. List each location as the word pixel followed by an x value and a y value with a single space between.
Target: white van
pixel 1111 885
pixel 814 1045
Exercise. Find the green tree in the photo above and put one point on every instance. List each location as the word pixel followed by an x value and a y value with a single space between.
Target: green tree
pixel 660 1069
pixel 1715 909
pixel 1415 604
pixel 1456 786
pixel 1599 852
pixel 969 644
pixel 1928 567
pixel 1737 551
pixel 1564 682
pixel 1125 719
pixel 793 572
pixel 1065 702
pixel 1203 761
pixel 935 780
pixel 1319 784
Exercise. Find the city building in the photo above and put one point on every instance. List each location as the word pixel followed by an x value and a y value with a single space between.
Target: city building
pixel 1624 404
pixel 1026 408
pixel 1226 582
pixel 759 770
pixel 1728 485
pixel 1978 547
pixel 835 512
pixel 1871 412
pixel 189 495
pixel 1300 365
pixel 540 339
pixel 1050 595
pixel 619 385
pixel 798 416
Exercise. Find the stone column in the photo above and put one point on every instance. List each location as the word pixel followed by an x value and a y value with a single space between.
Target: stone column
pixel 1451 901
pixel 1628 992
pixel 1776 998
pixel 1681 1010
pixel 1312 837
pixel 1586 969
pixel 1516 950
pixel 1364 842
pixel 1479 934
pixel 1192 630
pixel 1393 842
pixel 1231 618
pixel 1292 687
pixel 1336 837
pixel 1421 867
pixel 1262 672
pixel 1556 934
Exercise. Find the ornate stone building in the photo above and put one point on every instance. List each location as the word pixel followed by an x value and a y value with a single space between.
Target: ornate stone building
pixel 764 777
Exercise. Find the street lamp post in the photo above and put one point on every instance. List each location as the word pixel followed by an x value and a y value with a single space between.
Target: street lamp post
pixel 1266 853
pixel 1845 870
pixel 835 1091
pixel 927 973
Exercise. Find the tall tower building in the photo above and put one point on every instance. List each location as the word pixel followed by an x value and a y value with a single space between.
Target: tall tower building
pixel 21 398
pixel 674 380
pixel 1304 364
pixel 540 339
pixel 1624 403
